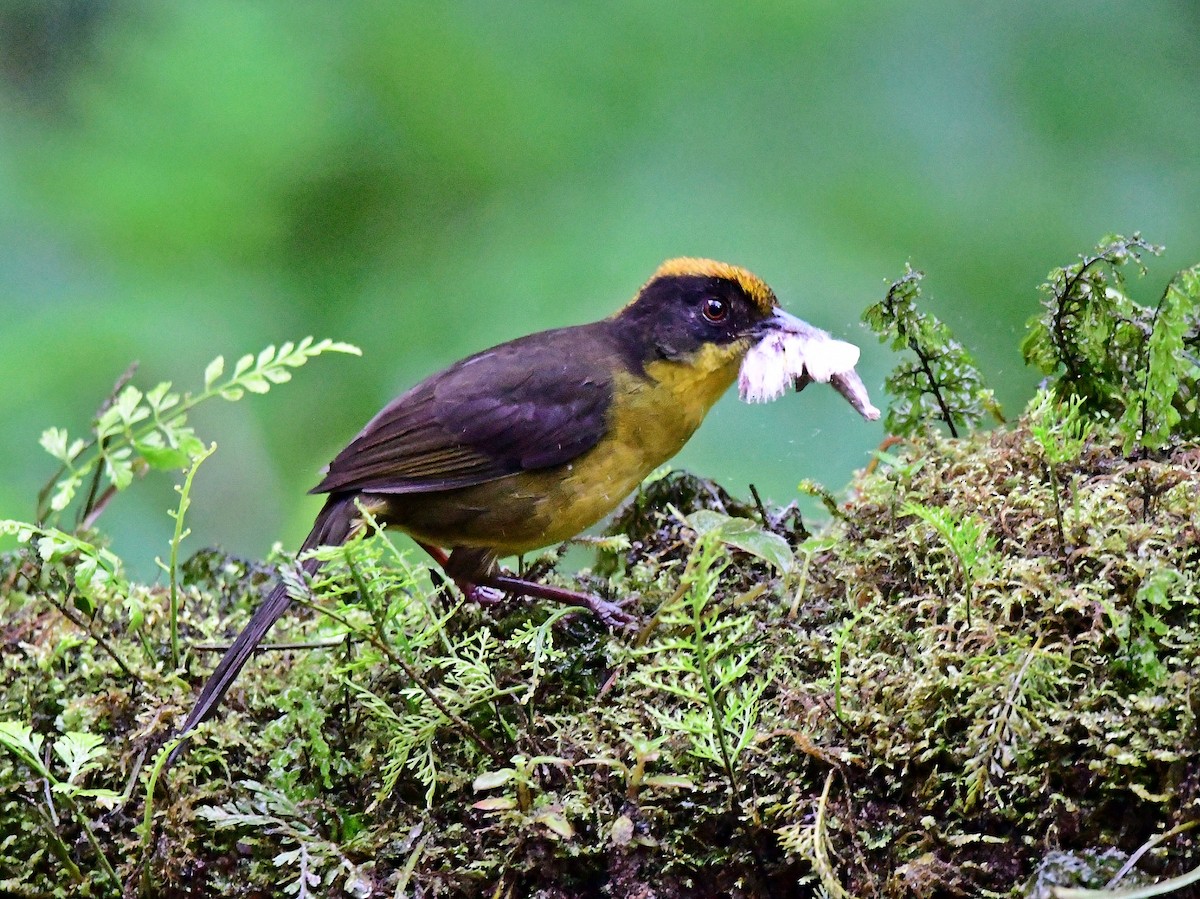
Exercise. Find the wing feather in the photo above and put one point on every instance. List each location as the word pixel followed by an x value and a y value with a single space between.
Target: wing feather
pixel 534 403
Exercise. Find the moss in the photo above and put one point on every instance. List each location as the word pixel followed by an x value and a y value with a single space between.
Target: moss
pixel 963 757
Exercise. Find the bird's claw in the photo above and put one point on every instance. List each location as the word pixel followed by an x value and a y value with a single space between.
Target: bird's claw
pixel 497 585
pixel 484 596
pixel 610 613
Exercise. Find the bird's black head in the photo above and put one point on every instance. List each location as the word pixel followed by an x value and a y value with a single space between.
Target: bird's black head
pixel 690 304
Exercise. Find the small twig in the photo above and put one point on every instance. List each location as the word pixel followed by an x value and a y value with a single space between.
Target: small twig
pixel 820 844
pixel 149 826
pixel 413 675
pixel 758 504
pixel 1058 516
pixel 58 848
pixel 102 503
pixel 124 378
pixel 134 770
pixel 1060 314
pixel 47 789
pixel 88 513
pixel 82 820
pixel 87 628
pixel 410 864
pixel 1147 492
pixel 43 509
pixel 1147 846
pixel 927 369
pixel 179 514
pixel 647 630
pixel 275 647
pixel 89 506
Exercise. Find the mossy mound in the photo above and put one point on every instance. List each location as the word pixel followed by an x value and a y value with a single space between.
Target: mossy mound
pixel 975 673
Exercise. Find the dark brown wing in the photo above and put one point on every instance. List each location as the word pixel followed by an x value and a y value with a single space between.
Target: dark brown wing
pixel 537 402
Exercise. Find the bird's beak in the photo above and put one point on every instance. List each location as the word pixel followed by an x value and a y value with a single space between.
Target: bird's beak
pixel 790 352
pixel 781 322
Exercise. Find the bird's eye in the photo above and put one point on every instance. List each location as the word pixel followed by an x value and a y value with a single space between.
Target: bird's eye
pixel 714 310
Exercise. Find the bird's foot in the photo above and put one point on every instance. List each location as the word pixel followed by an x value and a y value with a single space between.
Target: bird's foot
pixel 490 587
pixel 610 613
pixel 484 596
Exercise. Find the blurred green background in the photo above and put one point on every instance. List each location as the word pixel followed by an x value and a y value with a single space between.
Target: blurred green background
pixel 182 180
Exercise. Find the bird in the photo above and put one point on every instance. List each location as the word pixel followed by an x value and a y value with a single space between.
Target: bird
pixel 532 441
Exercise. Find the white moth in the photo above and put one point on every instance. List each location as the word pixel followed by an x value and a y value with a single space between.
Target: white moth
pixel 796 353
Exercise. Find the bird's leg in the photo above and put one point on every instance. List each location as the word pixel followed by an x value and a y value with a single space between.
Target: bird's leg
pixel 608 612
pixel 476 574
pixel 439 555
pixel 470 589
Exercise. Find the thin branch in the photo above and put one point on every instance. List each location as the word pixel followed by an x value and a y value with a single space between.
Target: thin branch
pixel 98 507
pixel 413 675
pixel 927 368
pixel 275 647
pixel 86 626
pixel 88 511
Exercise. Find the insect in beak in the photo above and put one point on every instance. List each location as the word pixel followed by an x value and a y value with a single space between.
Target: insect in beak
pixel 791 352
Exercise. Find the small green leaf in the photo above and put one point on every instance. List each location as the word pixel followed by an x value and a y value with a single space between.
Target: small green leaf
pixel 746 535
pixel 49 547
pixel 107 799
pixel 622 831
pixel 21 741
pixel 65 491
pixel 80 752
pixel 492 779
pixel 191 444
pixel 495 804
pixel 159 398
pixel 554 821
pixel 669 782
pixel 136 610
pixel 108 423
pixel 54 441
pixel 255 383
pixel 119 469
pixel 129 407
pixel 212 371
pixel 163 458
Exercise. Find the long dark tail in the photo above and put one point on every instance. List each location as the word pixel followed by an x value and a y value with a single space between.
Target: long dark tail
pixel 332 527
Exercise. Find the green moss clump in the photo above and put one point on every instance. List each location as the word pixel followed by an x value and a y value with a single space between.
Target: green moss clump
pixel 943 757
